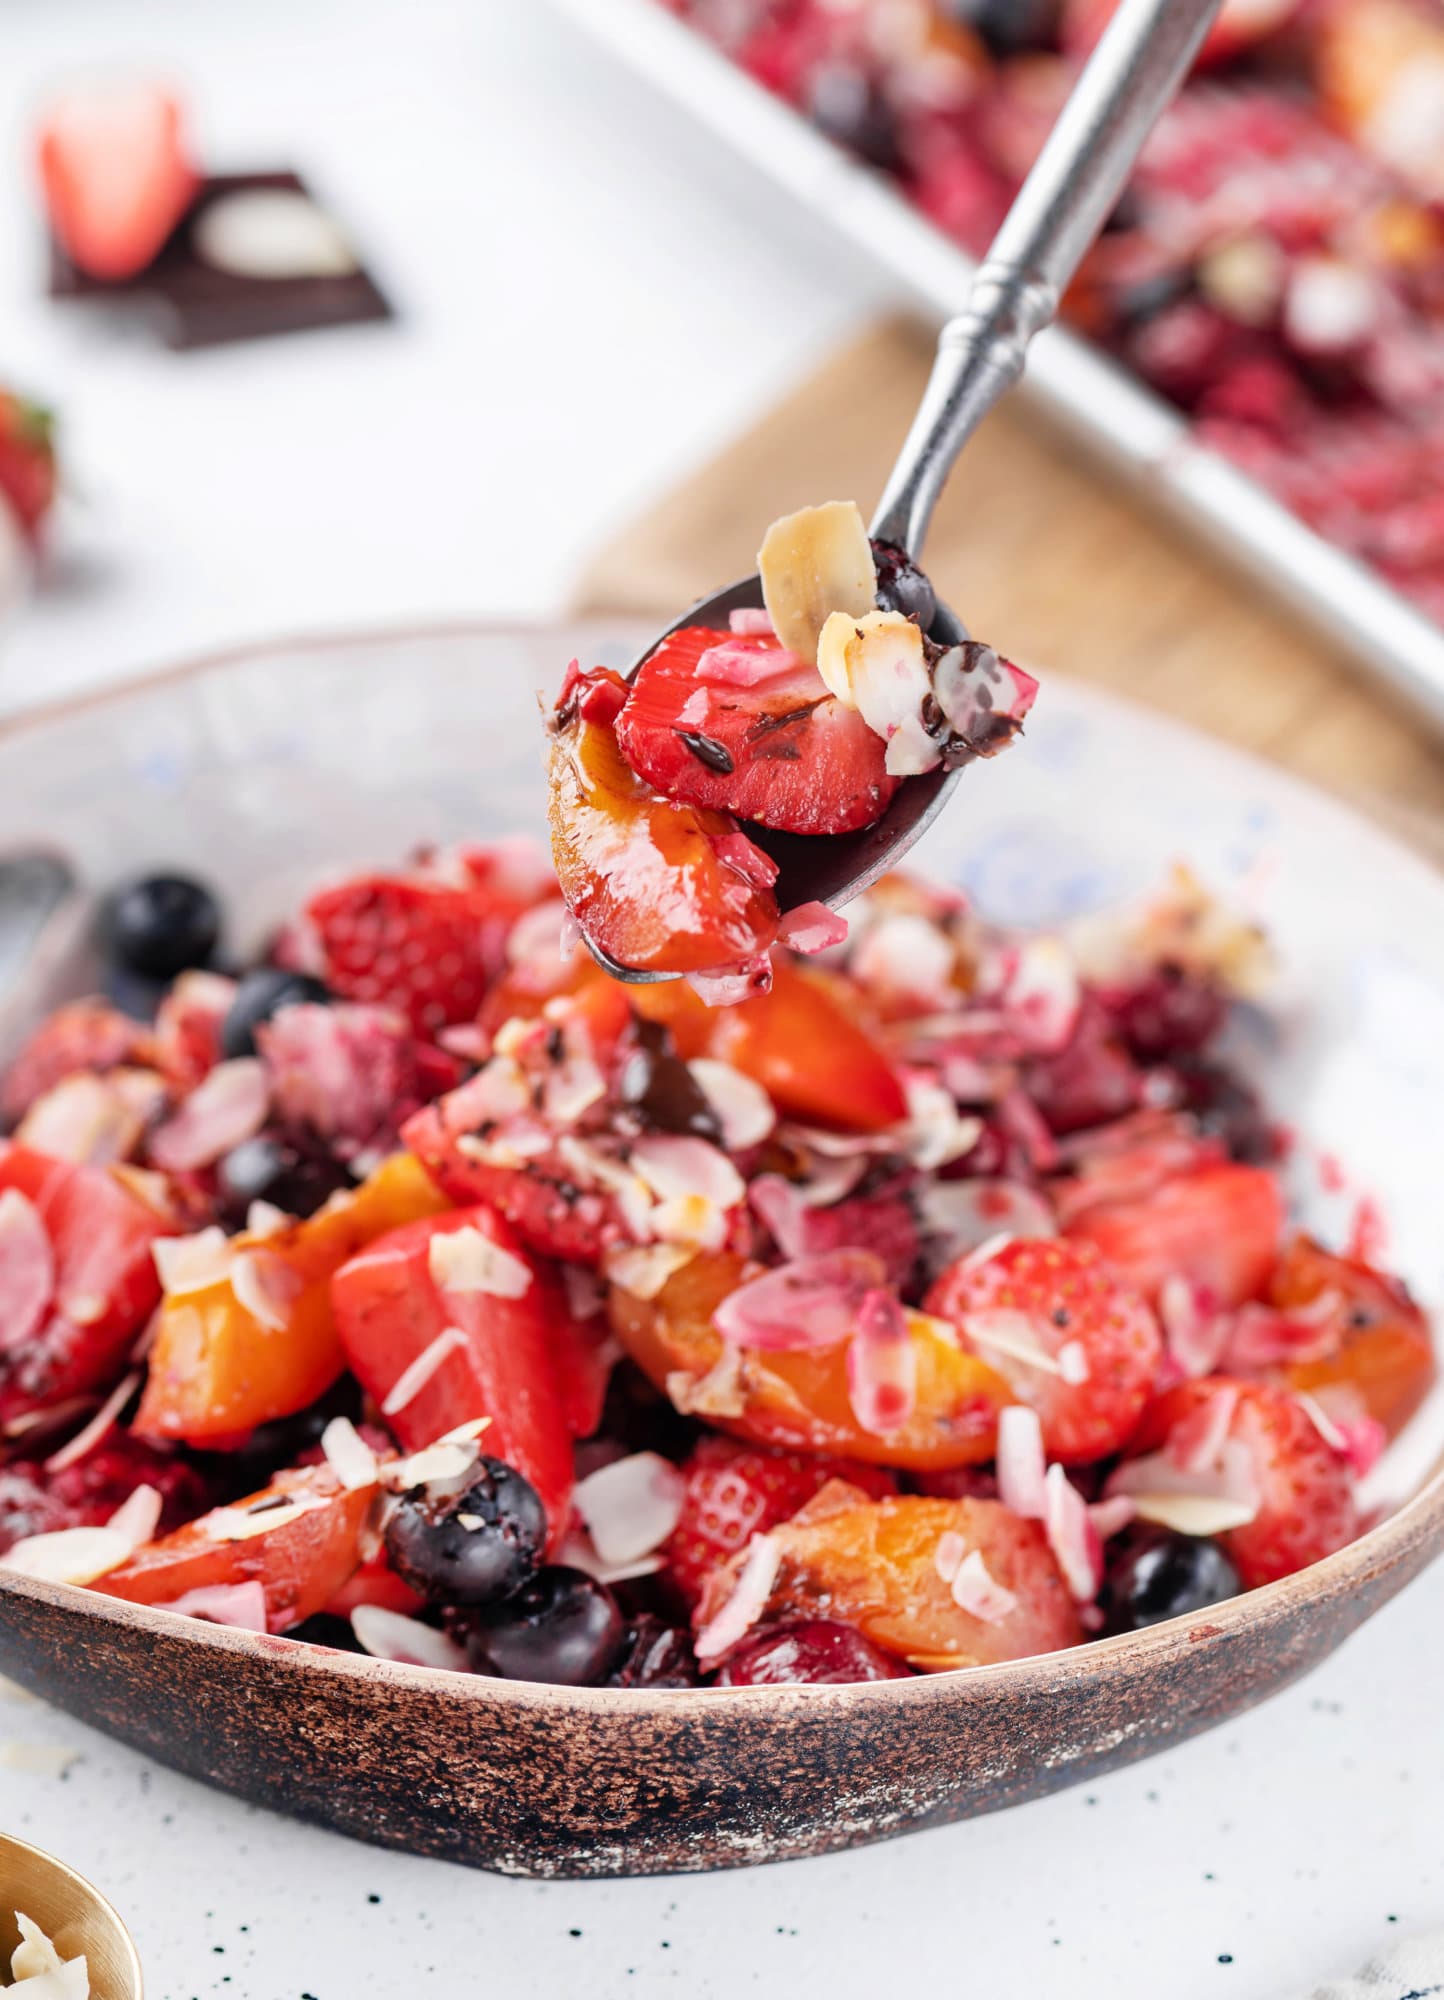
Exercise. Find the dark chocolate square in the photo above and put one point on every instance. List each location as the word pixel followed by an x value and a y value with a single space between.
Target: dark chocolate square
pixel 189 303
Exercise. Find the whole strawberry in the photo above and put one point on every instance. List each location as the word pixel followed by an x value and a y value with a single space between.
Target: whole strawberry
pixel 27 461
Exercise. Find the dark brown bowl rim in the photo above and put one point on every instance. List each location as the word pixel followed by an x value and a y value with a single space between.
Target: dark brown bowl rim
pixel 1419 1521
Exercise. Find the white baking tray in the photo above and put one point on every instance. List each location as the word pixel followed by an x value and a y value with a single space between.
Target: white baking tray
pixel 1122 423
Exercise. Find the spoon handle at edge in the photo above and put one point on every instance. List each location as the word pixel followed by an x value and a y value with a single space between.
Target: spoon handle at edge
pixel 1142 58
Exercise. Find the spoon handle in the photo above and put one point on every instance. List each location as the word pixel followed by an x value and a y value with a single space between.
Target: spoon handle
pixel 1142 58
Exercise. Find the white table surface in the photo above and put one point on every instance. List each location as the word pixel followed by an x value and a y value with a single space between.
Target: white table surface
pixel 592 301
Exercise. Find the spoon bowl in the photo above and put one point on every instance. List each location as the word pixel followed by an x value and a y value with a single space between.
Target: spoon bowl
pixel 1142 57
pixel 73 1915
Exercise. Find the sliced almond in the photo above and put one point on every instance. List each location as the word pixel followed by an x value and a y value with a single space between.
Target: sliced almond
pixel 812 563
pixel 875 663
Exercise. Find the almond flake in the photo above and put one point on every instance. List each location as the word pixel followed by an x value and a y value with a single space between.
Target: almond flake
pixel 644 1270
pixel 265 1287
pixel 244 1524
pixel 813 563
pixel 85 1441
pixel 415 1376
pixel 69 1555
pixel 387 1635
pixel 464 1260
pixel 631 1506
pixel 192 1263
pixel 977 1591
pixel 747 1602
pixel 348 1455
pixel 138 1516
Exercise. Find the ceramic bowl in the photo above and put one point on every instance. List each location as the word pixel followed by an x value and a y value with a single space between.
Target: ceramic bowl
pixel 73 1915
pixel 266 767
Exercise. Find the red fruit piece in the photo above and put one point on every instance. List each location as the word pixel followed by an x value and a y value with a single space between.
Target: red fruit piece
pixel 86 1035
pixel 1218 1228
pixel 300 1561
pixel 405 942
pixel 1382 1353
pixel 736 1491
pixel 1096 1343
pixel 435 1350
pixel 539 1197
pixel 1306 1502
pixel 27 461
pixel 105 1281
pixel 659 886
pixel 817 1651
pixel 86 1494
pixel 115 175
pixel 780 750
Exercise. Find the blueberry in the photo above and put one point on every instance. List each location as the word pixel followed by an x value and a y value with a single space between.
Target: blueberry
pixel 476 1547
pixel 901 585
pixel 1155 1573
pixel 270 1167
pixel 261 994
pixel 161 925
pixel 561 1627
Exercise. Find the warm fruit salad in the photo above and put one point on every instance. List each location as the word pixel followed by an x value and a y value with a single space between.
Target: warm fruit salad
pixel 803 718
pixel 419 1288
pixel 1276 269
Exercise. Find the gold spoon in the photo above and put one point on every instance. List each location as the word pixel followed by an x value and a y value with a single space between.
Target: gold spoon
pixel 74 1916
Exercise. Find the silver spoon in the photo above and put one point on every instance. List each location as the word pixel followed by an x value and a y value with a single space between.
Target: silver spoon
pixel 1142 58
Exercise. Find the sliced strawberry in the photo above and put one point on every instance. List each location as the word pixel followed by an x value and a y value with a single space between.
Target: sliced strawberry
pixel 116 176
pixel 659 886
pixel 735 1491
pixel 1097 1345
pixel 538 1195
pixel 1219 1228
pixel 1380 1350
pixel 403 941
pixel 1305 1499
pixel 27 461
pixel 779 749
pixel 435 1354
pixel 105 1281
pixel 86 1035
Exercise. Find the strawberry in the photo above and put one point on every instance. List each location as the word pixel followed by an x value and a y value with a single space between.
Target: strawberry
pixel 1218 1227
pixel 779 749
pixel 115 175
pixel 86 1494
pixel 1306 1504
pixel 403 941
pixel 27 461
pixel 86 1035
pixel 735 1491
pixel 1097 1344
